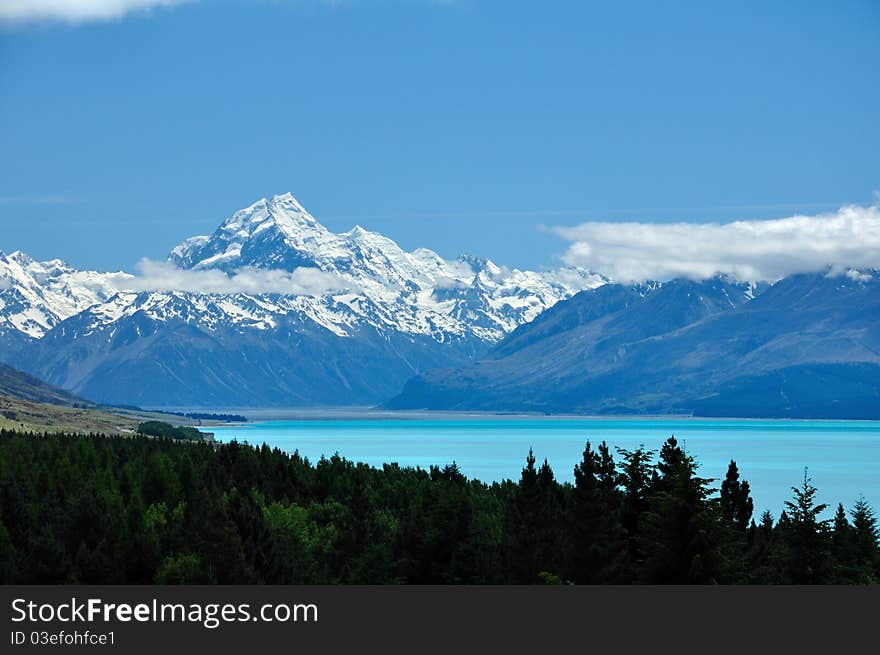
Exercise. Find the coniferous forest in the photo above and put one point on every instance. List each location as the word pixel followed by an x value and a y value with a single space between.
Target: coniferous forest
pixel 116 510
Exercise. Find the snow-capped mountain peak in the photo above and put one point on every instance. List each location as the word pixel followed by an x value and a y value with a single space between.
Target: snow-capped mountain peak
pixel 36 296
pixel 282 212
pixel 277 233
pixel 387 289
pixel 418 292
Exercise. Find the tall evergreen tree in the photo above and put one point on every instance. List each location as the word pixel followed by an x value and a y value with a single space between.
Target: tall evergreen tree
pixel 760 543
pixel 587 521
pixel 636 473
pixel 806 536
pixel 841 531
pixel 680 536
pixel 842 548
pixel 553 546
pixel 527 524
pixel 736 502
pixel 866 541
pixel 609 479
pixel 737 507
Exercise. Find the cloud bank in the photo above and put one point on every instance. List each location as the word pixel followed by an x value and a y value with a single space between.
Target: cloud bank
pixel 746 250
pixel 444 283
pixel 164 276
pixel 74 11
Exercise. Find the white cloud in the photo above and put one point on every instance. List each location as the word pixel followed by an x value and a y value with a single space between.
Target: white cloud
pixel 83 11
pixel 75 11
pixel 747 250
pixel 163 276
pixel 858 276
pixel 573 279
pixel 444 282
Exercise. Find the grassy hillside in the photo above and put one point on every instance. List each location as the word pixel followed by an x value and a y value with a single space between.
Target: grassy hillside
pixel 15 384
pixel 27 403
pixel 17 414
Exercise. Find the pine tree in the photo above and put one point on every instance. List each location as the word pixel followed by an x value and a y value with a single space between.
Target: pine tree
pixel 680 536
pixel 864 522
pixel 609 479
pixel 806 536
pixel 736 503
pixel 615 557
pixel 842 548
pixel 527 524
pixel 636 473
pixel 865 540
pixel 840 533
pixel 552 546
pixel 760 544
pixel 736 507
pixel 587 520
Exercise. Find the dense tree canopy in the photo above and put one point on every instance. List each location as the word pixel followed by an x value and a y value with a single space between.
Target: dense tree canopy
pixel 94 509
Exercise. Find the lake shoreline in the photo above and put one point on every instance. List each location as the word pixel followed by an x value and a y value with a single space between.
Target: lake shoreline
pixel 358 413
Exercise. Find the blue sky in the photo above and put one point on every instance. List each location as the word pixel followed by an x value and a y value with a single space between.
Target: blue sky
pixel 460 126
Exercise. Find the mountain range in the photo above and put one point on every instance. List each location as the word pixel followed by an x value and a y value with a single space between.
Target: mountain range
pixel 274 309
pixel 807 346
pixel 270 309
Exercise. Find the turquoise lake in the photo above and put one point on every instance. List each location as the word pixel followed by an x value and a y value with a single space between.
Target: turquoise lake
pixel 843 457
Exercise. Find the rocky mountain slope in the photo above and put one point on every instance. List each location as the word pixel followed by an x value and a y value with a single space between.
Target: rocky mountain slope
pixel 809 345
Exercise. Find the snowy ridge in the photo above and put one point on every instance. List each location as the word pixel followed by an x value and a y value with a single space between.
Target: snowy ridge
pixel 416 293
pixel 36 296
